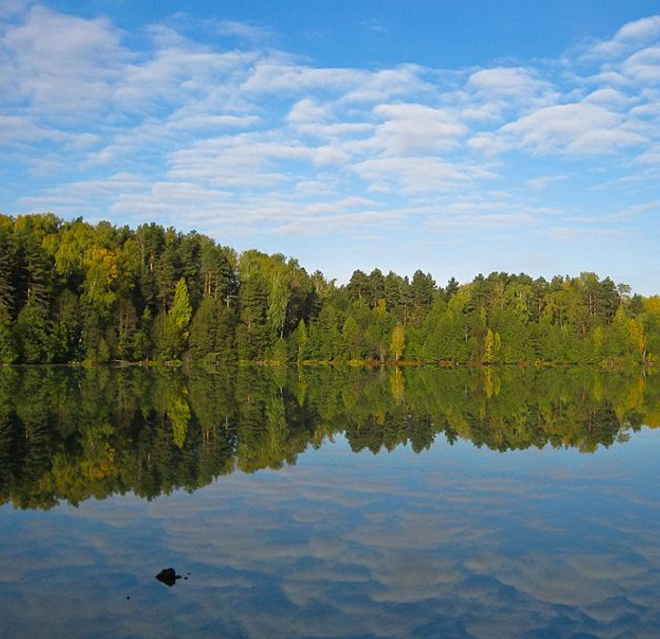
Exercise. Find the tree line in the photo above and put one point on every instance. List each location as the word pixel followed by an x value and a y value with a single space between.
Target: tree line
pixel 75 433
pixel 71 291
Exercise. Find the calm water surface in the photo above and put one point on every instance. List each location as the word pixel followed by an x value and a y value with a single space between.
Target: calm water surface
pixel 428 503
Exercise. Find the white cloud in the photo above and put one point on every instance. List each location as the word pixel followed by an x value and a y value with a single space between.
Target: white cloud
pixel 59 63
pixel 243 158
pixel 643 66
pixel 540 183
pixel 310 118
pixel 251 33
pixel 281 77
pixel 85 194
pixel 330 155
pixel 211 121
pixel 508 81
pixel 10 8
pixel 324 186
pixel 307 111
pixel 374 25
pixel 390 83
pixel 180 75
pixel 608 97
pixel 629 36
pixel 22 129
pixel 580 129
pixel 492 93
pixel 639 30
pixel 172 201
pixel 339 205
pixel 417 175
pixel 415 128
pixel 651 156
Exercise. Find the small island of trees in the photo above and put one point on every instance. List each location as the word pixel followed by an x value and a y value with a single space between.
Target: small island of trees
pixel 71 292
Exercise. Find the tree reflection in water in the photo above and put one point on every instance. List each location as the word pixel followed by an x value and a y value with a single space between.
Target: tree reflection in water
pixel 72 434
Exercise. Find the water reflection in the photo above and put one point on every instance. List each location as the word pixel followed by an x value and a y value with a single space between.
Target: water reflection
pixel 460 542
pixel 74 434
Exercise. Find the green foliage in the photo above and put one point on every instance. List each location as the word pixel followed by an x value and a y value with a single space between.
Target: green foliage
pixel 353 339
pixel 397 341
pixel 166 337
pixel 72 291
pixel 278 301
pixel 9 349
pixel 202 331
pixel 7 266
pixel 280 352
pixel 299 340
pixel 31 328
pixel 181 310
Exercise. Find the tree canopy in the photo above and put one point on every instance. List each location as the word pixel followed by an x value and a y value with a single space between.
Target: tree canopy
pixel 71 291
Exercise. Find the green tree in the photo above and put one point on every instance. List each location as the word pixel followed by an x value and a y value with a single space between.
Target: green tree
pixel 180 314
pixel 278 302
pixel 352 337
pixel 9 348
pixel 31 328
pixel 300 339
pixel 7 262
pixel 181 310
pixel 166 337
pixel 398 341
pixel 203 330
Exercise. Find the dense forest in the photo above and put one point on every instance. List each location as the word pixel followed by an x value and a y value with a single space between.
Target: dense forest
pixel 75 292
pixel 72 434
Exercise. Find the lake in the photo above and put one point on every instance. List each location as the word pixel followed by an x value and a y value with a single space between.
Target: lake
pixel 487 504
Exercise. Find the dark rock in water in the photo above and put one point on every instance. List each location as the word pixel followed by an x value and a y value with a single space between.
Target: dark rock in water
pixel 168 576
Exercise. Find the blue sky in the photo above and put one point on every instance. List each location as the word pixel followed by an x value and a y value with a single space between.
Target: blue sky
pixel 456 137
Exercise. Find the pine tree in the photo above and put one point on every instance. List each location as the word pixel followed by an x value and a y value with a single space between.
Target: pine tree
pixel 352 337
pixel 181 310
pixel 358 286
pixel 203 330
pixel 166 338
pixel 252 334
pixel 280 354
pixel 166 270
pixel 9 348
pixel 7 261
pixel 142 342
pixel 31 329
pixel 422 290
pixel 225 333
pixel 451 289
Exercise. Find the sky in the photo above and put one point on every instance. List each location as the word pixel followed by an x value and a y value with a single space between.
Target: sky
pixel 454 137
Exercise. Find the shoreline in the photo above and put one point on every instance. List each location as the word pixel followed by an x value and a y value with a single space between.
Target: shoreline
pixel 367 364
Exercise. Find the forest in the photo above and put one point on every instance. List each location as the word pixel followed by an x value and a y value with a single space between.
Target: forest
pixel 72 292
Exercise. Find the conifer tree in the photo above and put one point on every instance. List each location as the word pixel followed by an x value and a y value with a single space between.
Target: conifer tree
pixel 202 330
pixel 181 310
